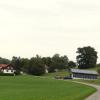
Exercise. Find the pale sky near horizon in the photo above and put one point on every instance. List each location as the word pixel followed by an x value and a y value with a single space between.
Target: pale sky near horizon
pixel 46 27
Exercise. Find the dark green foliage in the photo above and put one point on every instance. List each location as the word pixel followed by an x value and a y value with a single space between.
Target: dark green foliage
pixel 58 62
pixel 16 63
pixel 4 61
pixel 3 74
pixel 24 65
pixel 47 61
pixel 71 64
pixel 87 57
pixel 36 66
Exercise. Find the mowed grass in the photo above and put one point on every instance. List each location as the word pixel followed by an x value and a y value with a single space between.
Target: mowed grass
pixel 61 73
pixel 36 88
pixel 97 81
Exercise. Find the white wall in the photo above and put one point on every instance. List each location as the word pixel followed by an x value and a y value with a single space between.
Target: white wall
pixel 8 71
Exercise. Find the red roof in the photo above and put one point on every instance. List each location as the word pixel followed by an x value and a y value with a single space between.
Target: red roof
pixel 3 66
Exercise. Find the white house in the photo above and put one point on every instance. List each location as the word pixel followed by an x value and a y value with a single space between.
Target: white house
pixel 6 69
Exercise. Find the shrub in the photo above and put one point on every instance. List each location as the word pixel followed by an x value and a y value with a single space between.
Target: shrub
pixel 6 74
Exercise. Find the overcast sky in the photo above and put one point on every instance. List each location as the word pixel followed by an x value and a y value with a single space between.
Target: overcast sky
pixel 46 27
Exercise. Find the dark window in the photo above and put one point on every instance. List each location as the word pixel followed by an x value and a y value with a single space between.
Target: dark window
pixel 11 70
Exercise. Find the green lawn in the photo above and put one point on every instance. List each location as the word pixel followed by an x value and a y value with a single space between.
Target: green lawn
pixel 36 88
pixel 59 73
pixel 97 81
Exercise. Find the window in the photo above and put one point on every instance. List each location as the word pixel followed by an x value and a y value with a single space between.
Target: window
pixel 11 70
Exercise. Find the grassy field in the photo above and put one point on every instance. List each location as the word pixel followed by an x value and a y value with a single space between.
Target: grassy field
pixel 36 88
pixel 59 73
pixel 97 81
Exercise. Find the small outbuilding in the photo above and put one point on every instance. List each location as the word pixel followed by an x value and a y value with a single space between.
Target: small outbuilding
pixel 83 74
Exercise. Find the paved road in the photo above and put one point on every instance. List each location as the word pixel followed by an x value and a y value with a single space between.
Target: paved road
pixel 96 95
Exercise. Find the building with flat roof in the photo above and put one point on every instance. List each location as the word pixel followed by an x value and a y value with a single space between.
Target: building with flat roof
pixel 83 74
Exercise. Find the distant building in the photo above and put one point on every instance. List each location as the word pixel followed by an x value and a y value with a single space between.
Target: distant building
pixel 6 69
pixel 83 74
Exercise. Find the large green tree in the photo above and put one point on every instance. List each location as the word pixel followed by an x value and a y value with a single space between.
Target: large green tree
pixel 71 64
pixel 24 65
pixel 47 61
pixel 87 57
pixel 36 66
pixel 16 62
pixel 4 61
pixel 58 62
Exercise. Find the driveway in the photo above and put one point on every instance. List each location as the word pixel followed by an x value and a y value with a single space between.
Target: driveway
pixel 96 95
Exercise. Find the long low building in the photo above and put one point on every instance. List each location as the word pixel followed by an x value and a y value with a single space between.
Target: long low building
pixel 83 74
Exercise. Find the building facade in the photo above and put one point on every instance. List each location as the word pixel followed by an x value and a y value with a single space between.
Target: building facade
pixel 83 74
pixel 6 69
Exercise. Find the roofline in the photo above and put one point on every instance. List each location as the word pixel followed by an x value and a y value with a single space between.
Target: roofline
pixel 84 72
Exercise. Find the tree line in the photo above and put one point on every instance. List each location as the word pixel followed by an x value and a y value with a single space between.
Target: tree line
pixel 38 65
pixel 86 58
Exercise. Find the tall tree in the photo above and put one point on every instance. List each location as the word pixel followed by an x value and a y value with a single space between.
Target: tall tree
pixel 36 66
pixel 24 64
pixel 71 64
pixel 4 61
pixel 16 62
pixel 87 57
pixel 58 62
pixel 47 61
